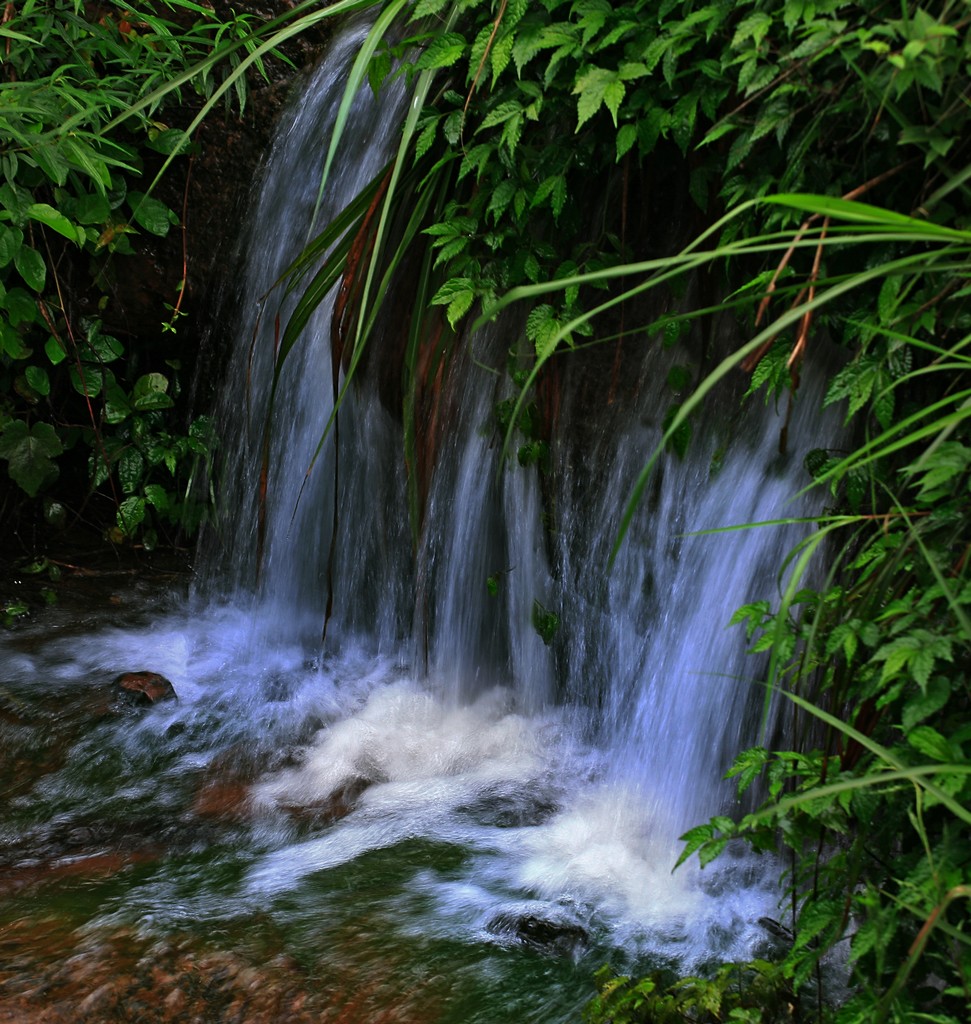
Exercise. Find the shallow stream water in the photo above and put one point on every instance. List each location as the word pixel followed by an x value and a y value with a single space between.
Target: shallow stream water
pixel 330 835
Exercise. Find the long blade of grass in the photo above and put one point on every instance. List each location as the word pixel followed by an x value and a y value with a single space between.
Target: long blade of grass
pixel 915 774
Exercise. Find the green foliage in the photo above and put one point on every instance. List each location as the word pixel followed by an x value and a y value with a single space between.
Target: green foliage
pixel 545 622
pixel 753 993
pixel 82 94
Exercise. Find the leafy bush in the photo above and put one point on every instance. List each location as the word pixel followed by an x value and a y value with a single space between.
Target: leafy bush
pixel 82 100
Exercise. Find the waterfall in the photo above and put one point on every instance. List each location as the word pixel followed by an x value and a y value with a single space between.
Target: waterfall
pixel 495 745
pixel 642 695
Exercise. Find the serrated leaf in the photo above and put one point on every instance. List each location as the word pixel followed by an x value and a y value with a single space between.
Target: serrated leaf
pixel 613 97
pixel 922 705
pixel 453 126
pixel 501 55
pixel 815 918
pixel 929 742
pixel 711 850
pixel 426 138
pixel 460 304
pixel 590 89
pixel 500 113
pixel 539 321
pixel 442 52
pixel 426 7
pixel 501 197
pixel 754 27
pixel 452 287
pixel 626 138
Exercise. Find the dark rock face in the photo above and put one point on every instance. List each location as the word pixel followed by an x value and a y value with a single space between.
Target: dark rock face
pixel 210 192
pixel 145 687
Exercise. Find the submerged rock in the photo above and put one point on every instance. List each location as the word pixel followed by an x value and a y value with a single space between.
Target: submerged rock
pixel 336 805
pixel 145 687
pixel 546 934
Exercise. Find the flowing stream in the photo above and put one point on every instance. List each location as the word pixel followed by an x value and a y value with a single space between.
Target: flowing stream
pixel 433 812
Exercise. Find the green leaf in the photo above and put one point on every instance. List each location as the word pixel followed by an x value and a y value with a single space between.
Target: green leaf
pixel 442 52
pixel 711 850
pixel 29 452
pixel 56 221
pixel 31 267
pixel 87 381
pixel 459 305
pixel 626 138
pixel 816 917
pixel 131 468
pixel 11 240
pixel 101 348
pixel 92 209
pixel 21 306
pixel 150 392
pixel 38 379
pixel 591 88
pixel 426 7
pixel 130 515
pixel 11 343
pixel 545 622
pixel 171 140
pixel 918 650
pixel 117 406
pixel 158 496
pixel 931 743
pixel 678 442
pixel 55 351
pixel 500 113
pixel 922 705
pixel 613 96
pixel 754 27
pixel 151 214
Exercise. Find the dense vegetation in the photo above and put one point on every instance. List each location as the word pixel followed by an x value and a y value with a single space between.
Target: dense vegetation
pixel 805 166
pixel 97 101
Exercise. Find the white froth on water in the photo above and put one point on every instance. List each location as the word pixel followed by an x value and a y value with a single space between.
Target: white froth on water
pixel 542 830
pixel 405 736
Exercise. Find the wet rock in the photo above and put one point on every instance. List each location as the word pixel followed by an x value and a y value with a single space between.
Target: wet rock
pixel 508 810
pixel 333 807
pixel 227 801
pixel 145 687
pixel 776 941
pixel 546 934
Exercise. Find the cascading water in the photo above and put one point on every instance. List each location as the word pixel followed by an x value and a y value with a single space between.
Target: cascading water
pixel 434 788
